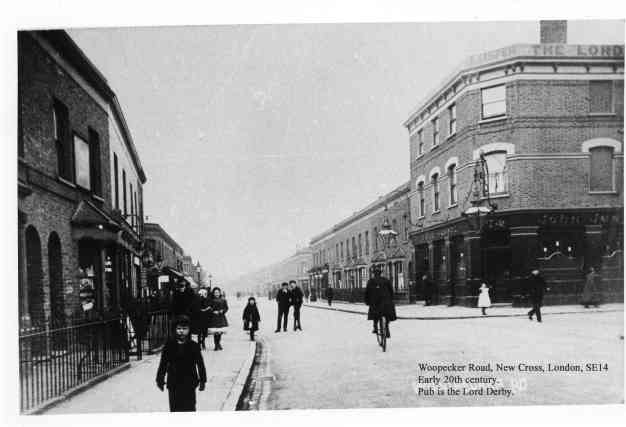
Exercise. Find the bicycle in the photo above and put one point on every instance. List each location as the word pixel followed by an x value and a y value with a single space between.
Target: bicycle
pixel 381 332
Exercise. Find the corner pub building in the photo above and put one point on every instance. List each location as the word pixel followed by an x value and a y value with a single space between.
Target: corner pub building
pixel 516 164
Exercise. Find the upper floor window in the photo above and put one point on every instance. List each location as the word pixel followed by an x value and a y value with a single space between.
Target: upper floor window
pixel 360 245
pixel 435 123
pixel 601 96
pixel 124 192
pixel 347 249
pixel 353 247
pixel 601 176
pixel 367 242
pixel 62 138
pixel 452 184
pixel 341 250
pixel 405 224
pixel 94 158
pixel 496 168
pixel 420 142
pixel 493 101
pixel 452 117
pixel 116 184
pixel 375 238
pixel 435 185
pixel 420 195
pixel 83 162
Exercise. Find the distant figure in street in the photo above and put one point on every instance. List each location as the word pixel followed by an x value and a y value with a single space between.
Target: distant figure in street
pixel 484 302
pixel 251 317
pixel 329 296
pixel 536 288
pixel 181 362
pixel 591 290
pixel 217 319
pixel 182 300
pixel 379 298
pixel 283 300
pixel 296 300
pixel 429 289
pixel 307 295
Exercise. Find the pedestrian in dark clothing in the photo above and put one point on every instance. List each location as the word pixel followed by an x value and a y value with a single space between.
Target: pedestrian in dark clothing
pixel 251 317
pixel 379 298
pixel 201 313
pixel 536 288
pixel 297 298
pixel 283 300
pixel 182 300
pixel 181 362
pixel 329 296
pixel 591 290
pixel 218 324
pixel 429 289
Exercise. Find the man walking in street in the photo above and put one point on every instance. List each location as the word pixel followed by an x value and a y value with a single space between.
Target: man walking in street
pixel 296 301
pixel 283 300
pixel 536 290
pixel 329 296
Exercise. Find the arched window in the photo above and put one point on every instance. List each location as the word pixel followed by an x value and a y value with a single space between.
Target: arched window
pixel 452 184
pixel 496 168
pixel 420 193
pixel 34 277
pixel 55 273
pixel 434 179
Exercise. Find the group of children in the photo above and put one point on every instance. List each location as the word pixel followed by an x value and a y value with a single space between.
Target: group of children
pixel 181 367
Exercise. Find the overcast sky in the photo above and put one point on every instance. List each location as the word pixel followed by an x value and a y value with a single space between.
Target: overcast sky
pixel 256 138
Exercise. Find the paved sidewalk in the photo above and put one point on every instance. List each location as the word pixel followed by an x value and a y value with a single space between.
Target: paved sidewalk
pixel 434 312
pixel 134 390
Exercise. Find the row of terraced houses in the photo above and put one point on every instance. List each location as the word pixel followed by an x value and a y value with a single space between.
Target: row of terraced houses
pixel 516 163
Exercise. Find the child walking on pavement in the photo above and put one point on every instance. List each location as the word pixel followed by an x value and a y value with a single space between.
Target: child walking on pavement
pixel 181 362
pixel 251 317
pixel 484 302
pixel 217 320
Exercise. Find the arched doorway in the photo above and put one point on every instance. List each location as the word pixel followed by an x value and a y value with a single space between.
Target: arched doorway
pixel 55 273
pixel 34 277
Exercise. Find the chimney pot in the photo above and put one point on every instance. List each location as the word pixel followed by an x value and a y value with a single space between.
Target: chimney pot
pixel 553 31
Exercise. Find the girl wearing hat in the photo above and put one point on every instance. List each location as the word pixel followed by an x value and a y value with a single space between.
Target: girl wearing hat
pixel 217 319
pixel 484 302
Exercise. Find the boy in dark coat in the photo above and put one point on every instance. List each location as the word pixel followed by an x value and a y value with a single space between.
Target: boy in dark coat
pixel 297 298
pixel 182 362
pixel 251 317
pixel 283 300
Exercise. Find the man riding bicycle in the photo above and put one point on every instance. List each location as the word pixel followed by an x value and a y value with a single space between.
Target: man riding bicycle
pixel 379 298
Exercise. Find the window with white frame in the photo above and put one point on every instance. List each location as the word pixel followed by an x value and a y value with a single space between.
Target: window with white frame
pixel 83 162
pixel 496 170
pixel 420 195
pixel 435 123
pixel 601 175
pixel 493 101
pixel 420 142
pixel 435 184
pixel 452 184
pixel 452 117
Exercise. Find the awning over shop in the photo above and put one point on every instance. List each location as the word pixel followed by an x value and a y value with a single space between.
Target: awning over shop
pixel 397 255
pixel 171 271
pixel 192 282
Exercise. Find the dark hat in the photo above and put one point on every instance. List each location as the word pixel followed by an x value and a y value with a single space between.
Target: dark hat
pixel 181 320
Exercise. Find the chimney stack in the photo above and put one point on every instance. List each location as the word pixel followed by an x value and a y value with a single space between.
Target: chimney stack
pixel 553 31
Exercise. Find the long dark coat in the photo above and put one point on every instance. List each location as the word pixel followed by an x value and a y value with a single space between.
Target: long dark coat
pixel 379 298
pixel 297 296
pixel 251 318
pixel 182 303
pixel 218 320
pixel 591 290
pixel 200 316
pixel 536 288
pixel 183 365
pixel 283 298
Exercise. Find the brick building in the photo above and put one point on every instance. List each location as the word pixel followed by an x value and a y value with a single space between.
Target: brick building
pixel 70 236
pixel 517 163
pixel 344 255
pixel 165 258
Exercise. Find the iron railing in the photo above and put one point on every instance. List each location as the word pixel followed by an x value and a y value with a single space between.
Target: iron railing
pixel 54 361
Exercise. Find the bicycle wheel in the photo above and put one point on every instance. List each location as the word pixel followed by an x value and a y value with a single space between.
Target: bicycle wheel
pixel 381 336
